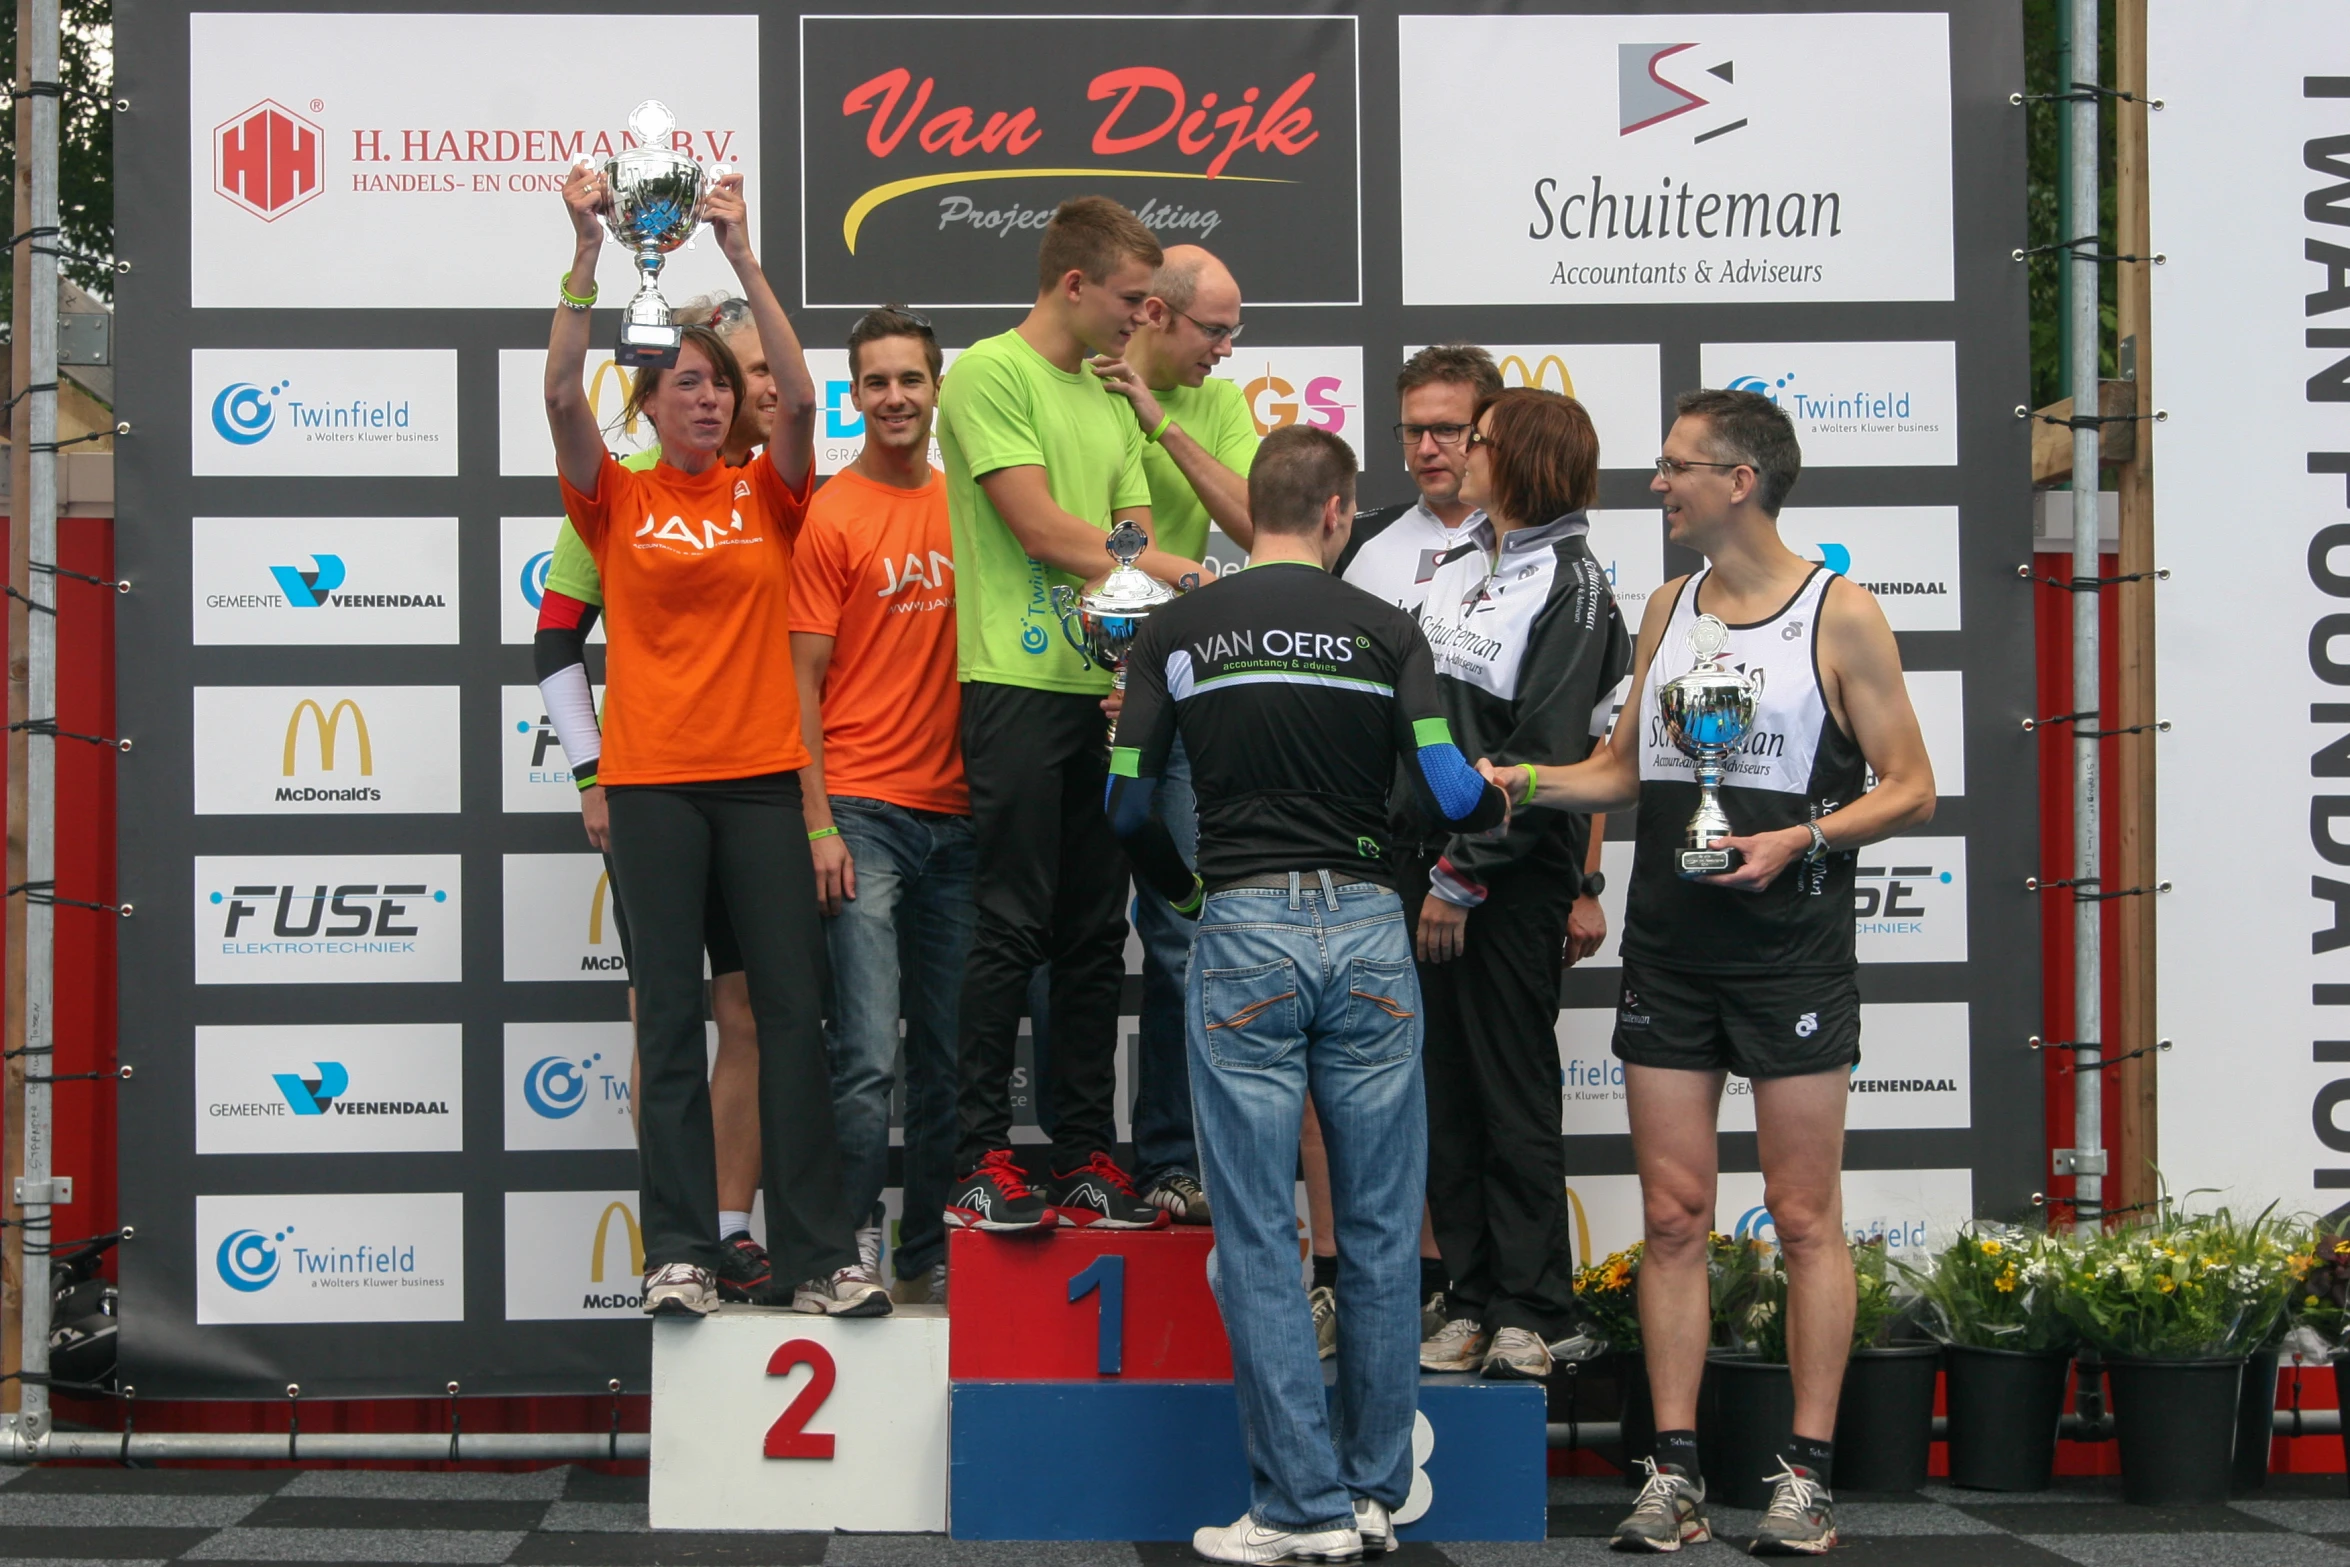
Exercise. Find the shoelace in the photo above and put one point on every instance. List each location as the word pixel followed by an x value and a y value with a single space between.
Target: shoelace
pixel 1102 1165
pixel 1455 1331
pixel 677 1273
pixel 1659 1494
pixel 1792 1496
pixel 998 1165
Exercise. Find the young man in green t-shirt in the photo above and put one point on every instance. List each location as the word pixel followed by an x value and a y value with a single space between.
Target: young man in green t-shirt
pixel 1041 462
pixel 1199 442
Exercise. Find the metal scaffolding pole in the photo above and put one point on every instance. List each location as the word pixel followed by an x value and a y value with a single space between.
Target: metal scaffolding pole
pixel 2081 263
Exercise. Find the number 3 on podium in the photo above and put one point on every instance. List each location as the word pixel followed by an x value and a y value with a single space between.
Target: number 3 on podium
pixel 789 1437
pixel 1106 1274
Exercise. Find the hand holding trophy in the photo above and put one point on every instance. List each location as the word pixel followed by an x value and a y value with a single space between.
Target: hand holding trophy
pixel 1707 712
pixel 1103 623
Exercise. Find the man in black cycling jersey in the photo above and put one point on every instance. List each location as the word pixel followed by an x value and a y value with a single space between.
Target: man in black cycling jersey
pixel 1295 696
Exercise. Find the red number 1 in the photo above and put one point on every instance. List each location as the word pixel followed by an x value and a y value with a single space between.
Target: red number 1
pixel 789 1436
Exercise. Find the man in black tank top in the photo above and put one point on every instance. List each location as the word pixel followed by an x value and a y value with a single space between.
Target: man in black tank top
pixel 1752 971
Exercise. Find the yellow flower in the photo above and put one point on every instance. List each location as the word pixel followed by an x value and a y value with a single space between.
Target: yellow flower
pixel 1990 1248
pixel 2005 1283
pixel 2165 1283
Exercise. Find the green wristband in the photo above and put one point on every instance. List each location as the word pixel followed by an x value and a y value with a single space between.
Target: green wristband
pixel 1533 782
pixel 573 300
pixel 824 832
pixel 1190 906
pixel 1164 421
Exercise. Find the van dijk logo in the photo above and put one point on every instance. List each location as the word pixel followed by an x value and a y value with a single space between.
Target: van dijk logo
pixel 268 160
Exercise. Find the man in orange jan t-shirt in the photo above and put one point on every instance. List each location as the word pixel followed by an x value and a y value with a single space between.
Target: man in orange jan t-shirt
pixel 873 649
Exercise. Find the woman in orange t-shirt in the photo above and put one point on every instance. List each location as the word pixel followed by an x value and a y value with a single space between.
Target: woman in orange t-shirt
pixel 700 767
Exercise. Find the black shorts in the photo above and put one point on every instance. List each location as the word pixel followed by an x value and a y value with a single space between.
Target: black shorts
pixel 726 954
pixel 1755 1025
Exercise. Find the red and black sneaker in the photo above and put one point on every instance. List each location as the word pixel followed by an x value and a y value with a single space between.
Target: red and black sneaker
pixel 743 1273
pixel 1098 1192
pixel 996 1196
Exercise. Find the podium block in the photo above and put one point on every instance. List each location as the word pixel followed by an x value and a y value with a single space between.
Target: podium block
pixel 1071 1305
pixel 1156 1460
pixel 767 1419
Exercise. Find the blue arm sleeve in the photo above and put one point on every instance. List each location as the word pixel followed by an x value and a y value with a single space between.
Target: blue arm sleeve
pixel 1128 802
pixel 1460 791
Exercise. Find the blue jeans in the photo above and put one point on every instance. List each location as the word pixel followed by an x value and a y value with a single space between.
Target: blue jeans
pixel 1163 1141
pixel 1289 991
pixel 898 948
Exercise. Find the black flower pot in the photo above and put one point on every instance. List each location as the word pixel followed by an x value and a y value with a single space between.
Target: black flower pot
pixel 1885 1418
pixel 2256 1421
pixel 1753 1416
pixel 2176 1422
pixel 2004 1405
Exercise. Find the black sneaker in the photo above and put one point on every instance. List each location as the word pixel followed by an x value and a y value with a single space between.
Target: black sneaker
pixel 1098 1192
pixel 743 1273
pixel 996 1196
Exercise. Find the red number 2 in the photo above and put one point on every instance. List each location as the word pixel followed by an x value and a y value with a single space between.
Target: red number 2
pixel 789 1436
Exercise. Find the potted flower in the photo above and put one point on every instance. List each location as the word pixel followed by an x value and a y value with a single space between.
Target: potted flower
pixel 2176 1306
pixel 1990 1297
pixel 1608 1293
pixel 1885 1415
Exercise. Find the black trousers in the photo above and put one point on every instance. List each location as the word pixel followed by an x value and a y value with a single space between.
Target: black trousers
pixel 1051 888
pixel 668 842
pixel 1496 1169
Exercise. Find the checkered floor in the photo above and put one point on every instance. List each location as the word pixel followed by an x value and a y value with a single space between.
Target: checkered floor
pixel 573 1518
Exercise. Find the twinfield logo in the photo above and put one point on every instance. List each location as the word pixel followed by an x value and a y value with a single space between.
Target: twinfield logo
pixel 1854 405
pixel 346 1257
pixel 567 1085
pixel 296 412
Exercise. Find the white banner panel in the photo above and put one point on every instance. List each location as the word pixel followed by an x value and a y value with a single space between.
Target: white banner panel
pixel 573 1254
pixel 2250 199
pixel 323 411
pixel 567 1085
pixel 329 919
pixel 1619 384
pixel 295 581
pixel 351 1088
pixel 526 548
pixel 560 918
pixel 380 161
pixel 526 449
pixel 325 750
pixel 1906 555
pixel 1909 901
pixel 1320 388
pixel 349 1257
pixel 1623 159
pixel 1854 405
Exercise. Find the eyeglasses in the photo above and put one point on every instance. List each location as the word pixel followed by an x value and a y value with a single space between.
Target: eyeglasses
pixel 894 319
pixel 728 311
pixel 1213 333
pixel 1443 434
pixel 1672 467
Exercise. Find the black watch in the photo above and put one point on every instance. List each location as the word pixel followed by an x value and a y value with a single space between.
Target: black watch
pixel 1594 883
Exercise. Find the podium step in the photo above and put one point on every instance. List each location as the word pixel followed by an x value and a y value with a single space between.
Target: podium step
pixel 1071 1304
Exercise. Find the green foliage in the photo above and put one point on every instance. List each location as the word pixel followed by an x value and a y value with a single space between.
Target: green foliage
pixel 2322 1298
pixel 1609 1293
pixel 85 143
pixel 1995 1287
pixel 1761 1326
pixel 2185 1286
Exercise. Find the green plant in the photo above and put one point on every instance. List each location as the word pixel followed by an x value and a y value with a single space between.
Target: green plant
pixel 1994 1287
pixel 1609 1293
pixel 1762 1327
pixel 2321 1294
pixel 2185 1286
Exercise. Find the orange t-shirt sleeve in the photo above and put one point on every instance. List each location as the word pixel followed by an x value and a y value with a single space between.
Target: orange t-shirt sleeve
pixel 788 506
pixel 593 518
pixel 819 579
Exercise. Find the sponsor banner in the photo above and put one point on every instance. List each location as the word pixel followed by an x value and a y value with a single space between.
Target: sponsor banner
pixel 1630 548
pixel 329 919
pixel 351 1088
pixel 526 449
pixel 307 581
pixel 325 750
pixel 567 1085
pixel 1624 159
pixel 1913 1072
pixel 561 919
pixel 574 1255
pixel 1906 555
pixel 389 412
pixel 932 156
pixel 840 429
pixel 1939 698
pixel 1909 901
pixel 382 161
pixel 526 548
pixel 1854 405
pixel 1621 385
pixel 345 1257
pixel 1912 1212
pixel 534 774
pixel 1321 388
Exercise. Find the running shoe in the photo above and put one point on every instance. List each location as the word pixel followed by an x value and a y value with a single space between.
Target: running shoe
pixel 996 1196
pixel 1668 1513
pixel 1098 1192
pixel 679 1289
pixel 743 1271
pixel 1517 1355
pixel 848 1293
pixel 1251 1541
pixel 1323 1302
pixel 1180 1195
pixel 1376 1525
pixel 1458 1346
pixel 1801 1520
pixel 1432 1317
pixel 869 1251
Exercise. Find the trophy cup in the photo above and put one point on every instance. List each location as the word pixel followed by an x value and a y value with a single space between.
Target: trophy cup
pixel 1707 712
pixel 656 197
pixel 1103 624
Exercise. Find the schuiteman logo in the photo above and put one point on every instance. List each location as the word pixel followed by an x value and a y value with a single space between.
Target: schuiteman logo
pixel 268 160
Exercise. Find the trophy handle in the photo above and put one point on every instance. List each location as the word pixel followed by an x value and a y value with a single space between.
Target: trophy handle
pixel 1754 678
pixel 1065 610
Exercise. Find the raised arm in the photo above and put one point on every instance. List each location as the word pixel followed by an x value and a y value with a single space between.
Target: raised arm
pixel 579 445
pixel 791 446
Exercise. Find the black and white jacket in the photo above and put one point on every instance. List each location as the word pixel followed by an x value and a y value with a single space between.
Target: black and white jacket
pixel 1529 648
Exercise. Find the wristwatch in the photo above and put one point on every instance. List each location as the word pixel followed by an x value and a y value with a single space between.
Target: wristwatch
pixel 1594 883
pixel 1820 846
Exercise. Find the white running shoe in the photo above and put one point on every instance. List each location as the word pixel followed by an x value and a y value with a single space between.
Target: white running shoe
pixel 1459 1346
pixel 679 1289
pixel 1376 1525
pixel 1251 1541
pixel 869 1251
pixel 848 1293
pixel 1517 1355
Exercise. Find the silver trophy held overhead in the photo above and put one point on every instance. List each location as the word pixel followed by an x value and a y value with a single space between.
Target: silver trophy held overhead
pixel 655 206
pixel 1103 624
pixel 1707 713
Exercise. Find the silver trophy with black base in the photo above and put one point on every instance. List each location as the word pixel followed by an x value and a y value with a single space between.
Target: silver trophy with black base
pixel 1707 713
pixel 656 204
pixel 1102 625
